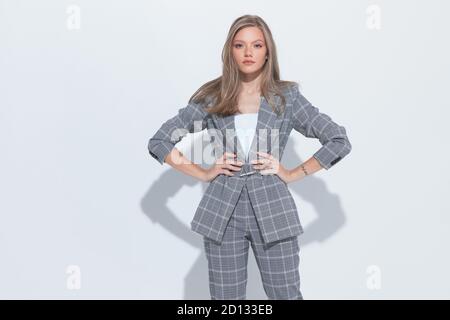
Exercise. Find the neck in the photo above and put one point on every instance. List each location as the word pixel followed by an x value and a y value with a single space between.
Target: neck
pixel 251 83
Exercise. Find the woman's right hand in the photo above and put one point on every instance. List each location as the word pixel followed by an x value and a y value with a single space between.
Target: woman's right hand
pixel 224 165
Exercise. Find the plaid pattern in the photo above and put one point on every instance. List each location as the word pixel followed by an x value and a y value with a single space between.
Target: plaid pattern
pixel 278 262
pixel 274 206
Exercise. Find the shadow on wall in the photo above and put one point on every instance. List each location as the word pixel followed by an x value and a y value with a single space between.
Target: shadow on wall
pixel 330 218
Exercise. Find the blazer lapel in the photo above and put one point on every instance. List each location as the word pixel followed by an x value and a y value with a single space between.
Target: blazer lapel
pixel 266 121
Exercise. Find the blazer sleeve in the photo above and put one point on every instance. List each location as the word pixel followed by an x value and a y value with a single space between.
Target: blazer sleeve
pixel 190 118
pixel 313 124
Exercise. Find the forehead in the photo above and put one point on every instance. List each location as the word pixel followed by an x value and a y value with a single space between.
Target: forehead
pixel 249 34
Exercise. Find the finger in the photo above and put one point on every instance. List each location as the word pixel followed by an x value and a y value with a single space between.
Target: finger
pixel 231 167
pixel 262 167
pixel 263 154
pixel 264 162
pixel 228 155
pixel 234 162
pixel 268 156
pixel 230 160
pixel 260 161
pixel 259 167
pixel 226 172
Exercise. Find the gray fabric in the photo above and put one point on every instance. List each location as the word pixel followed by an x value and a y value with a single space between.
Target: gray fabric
pixel 278 261
pixel 274 206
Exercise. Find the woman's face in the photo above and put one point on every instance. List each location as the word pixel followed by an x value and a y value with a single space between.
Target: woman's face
pixel 249 45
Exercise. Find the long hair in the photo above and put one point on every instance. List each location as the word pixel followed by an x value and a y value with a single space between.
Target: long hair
pixel 224 90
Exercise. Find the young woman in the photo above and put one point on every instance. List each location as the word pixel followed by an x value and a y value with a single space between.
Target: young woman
pixel 247 201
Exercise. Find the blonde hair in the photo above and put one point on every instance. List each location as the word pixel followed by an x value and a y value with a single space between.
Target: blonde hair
pixel 224 90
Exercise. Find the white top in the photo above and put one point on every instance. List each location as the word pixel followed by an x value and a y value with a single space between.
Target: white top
pixel 245 124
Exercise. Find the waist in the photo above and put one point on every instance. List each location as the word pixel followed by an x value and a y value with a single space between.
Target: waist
pixel 246 170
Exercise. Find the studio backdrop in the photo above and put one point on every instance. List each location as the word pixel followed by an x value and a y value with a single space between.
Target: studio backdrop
pixel 87 213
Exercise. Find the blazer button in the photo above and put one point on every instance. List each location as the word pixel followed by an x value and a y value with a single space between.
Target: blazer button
pixel 335 161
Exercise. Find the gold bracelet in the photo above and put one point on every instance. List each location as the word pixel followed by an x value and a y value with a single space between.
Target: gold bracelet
pixel 304 170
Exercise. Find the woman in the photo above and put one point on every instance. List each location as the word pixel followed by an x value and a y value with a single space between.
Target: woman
pixel 247 200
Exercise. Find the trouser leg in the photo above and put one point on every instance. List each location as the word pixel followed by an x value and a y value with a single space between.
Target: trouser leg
pixel 227 262
pixel 278 263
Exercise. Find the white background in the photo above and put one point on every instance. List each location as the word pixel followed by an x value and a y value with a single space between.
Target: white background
pixel 78 187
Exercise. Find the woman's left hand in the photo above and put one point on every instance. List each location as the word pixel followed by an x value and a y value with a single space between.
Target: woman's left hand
pixel 270 165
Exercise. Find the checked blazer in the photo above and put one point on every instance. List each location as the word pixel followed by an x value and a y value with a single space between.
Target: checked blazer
pixel 274 207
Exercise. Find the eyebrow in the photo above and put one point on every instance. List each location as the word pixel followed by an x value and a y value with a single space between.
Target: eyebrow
pixel 244 41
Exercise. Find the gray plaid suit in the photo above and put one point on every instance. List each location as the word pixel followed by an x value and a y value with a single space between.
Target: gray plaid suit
pixel 272 202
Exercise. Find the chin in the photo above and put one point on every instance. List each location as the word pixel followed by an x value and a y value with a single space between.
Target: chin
pixel 250 70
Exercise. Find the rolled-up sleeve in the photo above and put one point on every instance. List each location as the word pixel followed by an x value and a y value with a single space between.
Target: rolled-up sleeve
pixel 190 118
pixel 313 124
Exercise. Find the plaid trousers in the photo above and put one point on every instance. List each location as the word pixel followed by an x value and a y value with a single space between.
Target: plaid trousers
pixel 278 261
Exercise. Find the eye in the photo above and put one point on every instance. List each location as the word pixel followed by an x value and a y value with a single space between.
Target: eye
pixel 259 45
pixel 237 45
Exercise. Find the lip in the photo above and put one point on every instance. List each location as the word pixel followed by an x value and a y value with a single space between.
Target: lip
pixel 248 62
